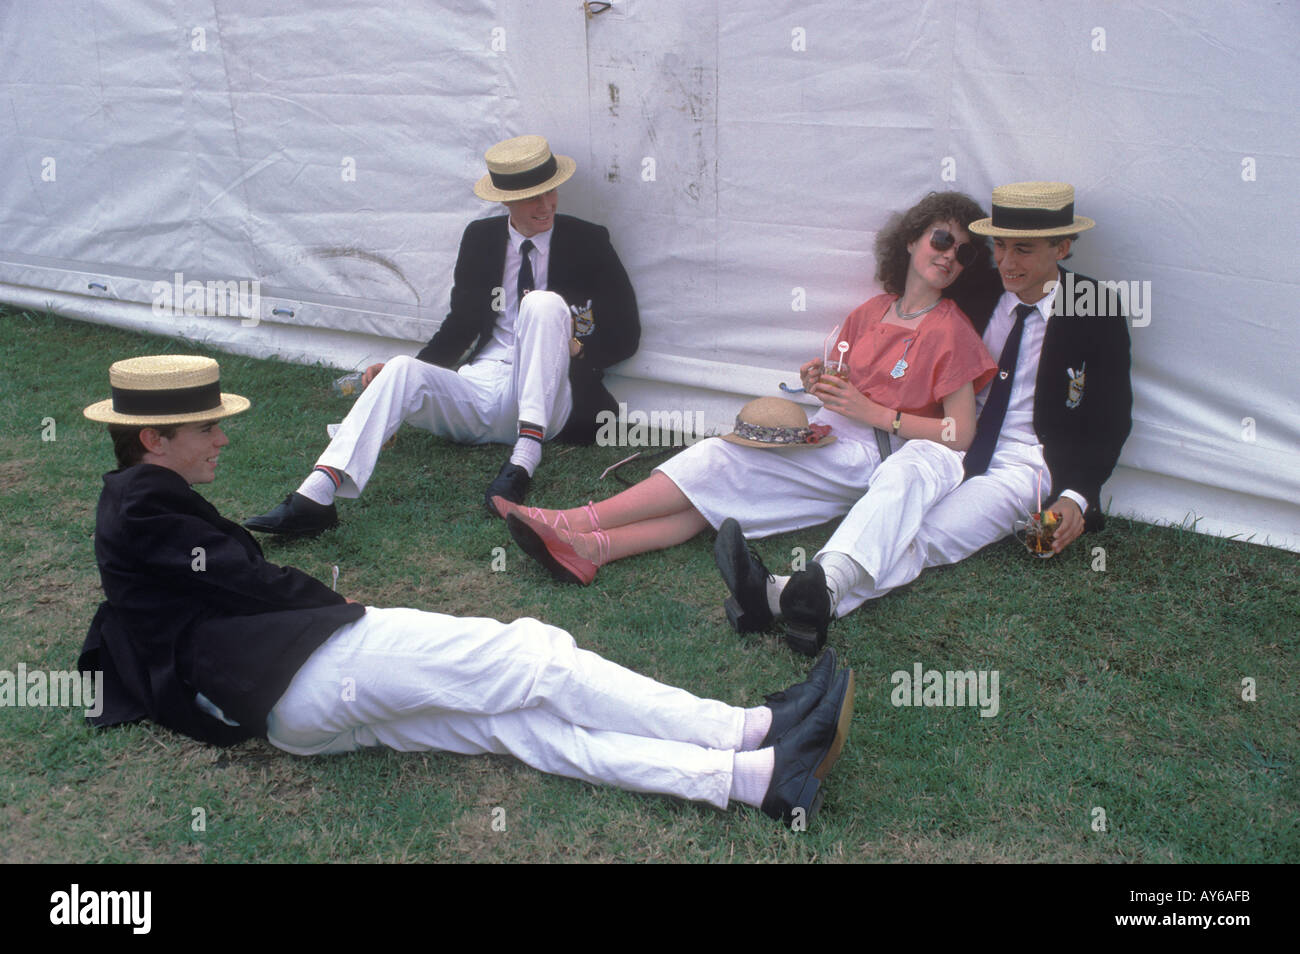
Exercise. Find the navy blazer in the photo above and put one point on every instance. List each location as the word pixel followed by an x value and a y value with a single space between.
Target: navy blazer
pixel 1082 425
pixel 192 606
pixel 583 267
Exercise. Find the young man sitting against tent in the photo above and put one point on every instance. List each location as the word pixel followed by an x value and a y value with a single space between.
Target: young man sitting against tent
pixel 540 306
pixel 201 634
pixel 1051 425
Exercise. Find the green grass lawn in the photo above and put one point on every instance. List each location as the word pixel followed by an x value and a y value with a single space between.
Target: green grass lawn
pixel 1120 690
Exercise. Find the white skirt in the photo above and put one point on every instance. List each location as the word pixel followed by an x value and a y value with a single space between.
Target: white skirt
pixel 777 490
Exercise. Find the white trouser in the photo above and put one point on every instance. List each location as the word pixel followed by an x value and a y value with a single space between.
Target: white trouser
pixel 481 403
pixel 416 681
pixel 911 518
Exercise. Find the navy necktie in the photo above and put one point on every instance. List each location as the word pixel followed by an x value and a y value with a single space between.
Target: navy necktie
pixel 989 425
pixel 525 272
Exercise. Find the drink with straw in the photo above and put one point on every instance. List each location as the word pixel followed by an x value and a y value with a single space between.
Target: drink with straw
pixel 349 384
pixel 1037 531
pixel 838 368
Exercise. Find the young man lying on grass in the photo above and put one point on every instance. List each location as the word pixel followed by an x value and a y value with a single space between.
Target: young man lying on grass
pixel 201 634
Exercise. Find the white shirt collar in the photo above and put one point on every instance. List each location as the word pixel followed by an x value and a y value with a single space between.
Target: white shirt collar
pixel 541 241
pixel 1044 304
pixel 1005 312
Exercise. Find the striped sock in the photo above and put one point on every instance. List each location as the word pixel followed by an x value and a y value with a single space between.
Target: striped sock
pixel 321 484
pixel 528 448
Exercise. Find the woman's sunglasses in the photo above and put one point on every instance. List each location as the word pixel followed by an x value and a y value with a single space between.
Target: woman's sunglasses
pixel 941 240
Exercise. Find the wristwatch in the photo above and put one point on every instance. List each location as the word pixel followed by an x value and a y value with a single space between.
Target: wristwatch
pixel 898 421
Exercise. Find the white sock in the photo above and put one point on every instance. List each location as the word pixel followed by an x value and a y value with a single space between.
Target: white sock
pixel 758 722
pixel 774 587
pixel 751 776
pixel 318 487
pixel 527 454
pixel 842 574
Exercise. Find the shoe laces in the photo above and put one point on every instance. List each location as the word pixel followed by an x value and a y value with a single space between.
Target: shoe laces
pixel 602 546
pixel 599 538
pixel 556 520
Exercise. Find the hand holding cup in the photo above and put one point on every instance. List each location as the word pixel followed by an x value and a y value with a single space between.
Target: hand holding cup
pixel 811 373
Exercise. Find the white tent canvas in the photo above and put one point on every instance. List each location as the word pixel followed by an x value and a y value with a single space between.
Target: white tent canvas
pixel 742 154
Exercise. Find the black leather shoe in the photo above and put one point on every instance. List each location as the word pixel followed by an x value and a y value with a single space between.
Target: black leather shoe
pixel 806 609
pixel 746 577
pixel 806 753
pixel 511 482
pixel 791 706
pixel 296 516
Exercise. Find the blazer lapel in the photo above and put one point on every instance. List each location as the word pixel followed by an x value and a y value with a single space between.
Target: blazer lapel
pixel 1057 344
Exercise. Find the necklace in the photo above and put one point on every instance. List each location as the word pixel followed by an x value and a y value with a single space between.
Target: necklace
pixel 916 314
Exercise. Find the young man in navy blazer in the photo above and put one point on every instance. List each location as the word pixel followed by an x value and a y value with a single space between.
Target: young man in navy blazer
pixel 199 633
pixel 1058 412
pixel 540 306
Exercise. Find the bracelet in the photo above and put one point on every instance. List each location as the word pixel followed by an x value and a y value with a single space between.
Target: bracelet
pixel 898 421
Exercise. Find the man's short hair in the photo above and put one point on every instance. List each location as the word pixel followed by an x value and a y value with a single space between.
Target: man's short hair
pixel 1056 240
pixel 126 441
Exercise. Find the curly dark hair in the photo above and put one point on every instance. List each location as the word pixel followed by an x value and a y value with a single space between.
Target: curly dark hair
pixel 126 442
pixel 904 228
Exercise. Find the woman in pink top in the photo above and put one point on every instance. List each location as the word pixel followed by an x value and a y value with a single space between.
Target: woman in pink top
pixel 914 366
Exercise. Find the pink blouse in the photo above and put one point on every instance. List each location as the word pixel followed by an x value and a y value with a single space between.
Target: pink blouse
pixel 940 349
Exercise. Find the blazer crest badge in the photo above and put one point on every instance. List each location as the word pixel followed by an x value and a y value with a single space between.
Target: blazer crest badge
pixel 584 322
pixel 1075 395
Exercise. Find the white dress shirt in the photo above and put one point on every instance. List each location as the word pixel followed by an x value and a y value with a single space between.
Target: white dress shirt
pixel 502 345
pixel 1018 425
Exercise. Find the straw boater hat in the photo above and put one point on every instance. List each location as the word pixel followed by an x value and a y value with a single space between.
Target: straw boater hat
pixel 521 168
pixel 771 422
pixel 1032 210
pixel 165 389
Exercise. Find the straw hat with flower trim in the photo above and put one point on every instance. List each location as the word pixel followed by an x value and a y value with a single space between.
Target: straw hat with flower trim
pixel 521 168
pixel 773 423
pixel 1032 210
pixel 165 389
